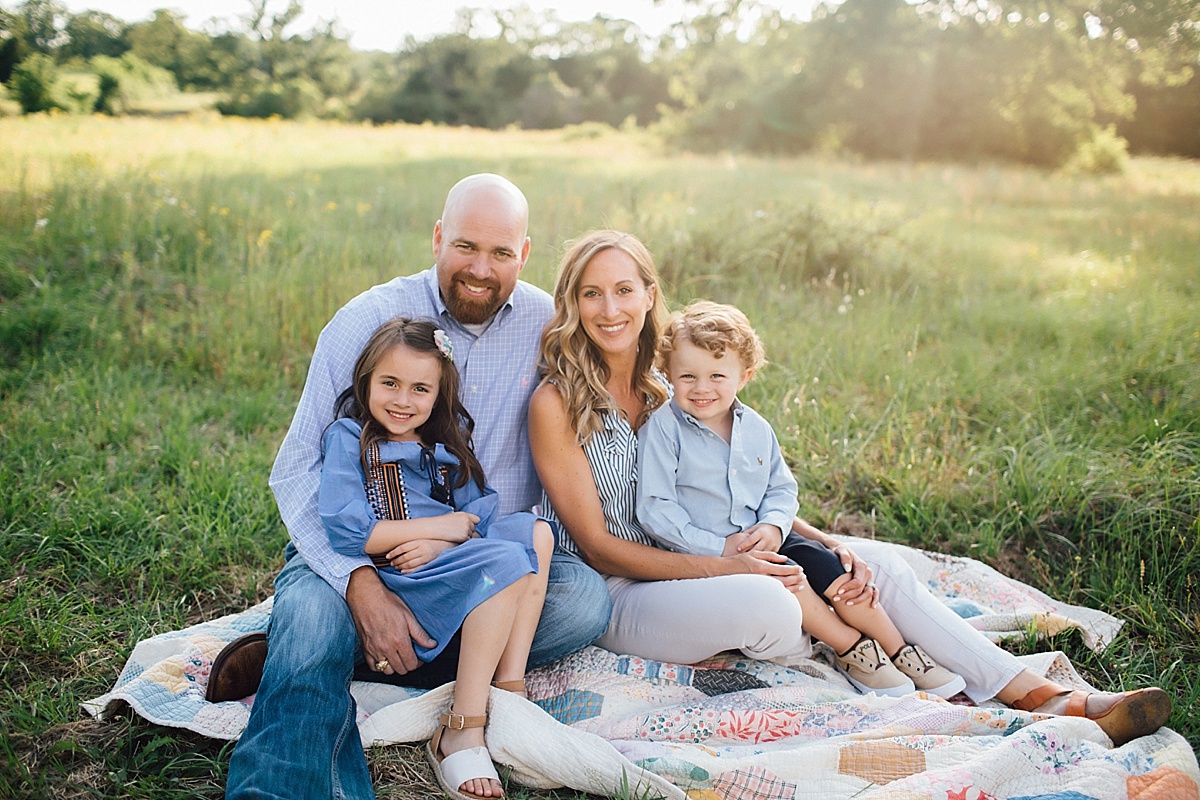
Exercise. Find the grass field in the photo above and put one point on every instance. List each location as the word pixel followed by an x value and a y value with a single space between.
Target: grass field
pixel 991 361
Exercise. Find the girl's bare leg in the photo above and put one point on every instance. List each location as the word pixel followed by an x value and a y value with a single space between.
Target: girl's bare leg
pixel 485 634
pixel 871 620
pixel 529 609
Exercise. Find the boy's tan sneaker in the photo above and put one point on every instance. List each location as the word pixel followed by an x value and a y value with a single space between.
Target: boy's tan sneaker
pixel 927 675
pixel 868 668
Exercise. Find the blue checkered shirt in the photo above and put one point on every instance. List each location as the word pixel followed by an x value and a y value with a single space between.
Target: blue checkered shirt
pixel 498 371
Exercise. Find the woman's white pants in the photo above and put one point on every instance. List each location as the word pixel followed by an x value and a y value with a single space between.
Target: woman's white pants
pixel 686 621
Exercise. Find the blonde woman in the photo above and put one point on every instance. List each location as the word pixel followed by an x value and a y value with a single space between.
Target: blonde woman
pixel 598 388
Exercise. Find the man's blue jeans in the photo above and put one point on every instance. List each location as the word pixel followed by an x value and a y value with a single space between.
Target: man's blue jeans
pixel 302 740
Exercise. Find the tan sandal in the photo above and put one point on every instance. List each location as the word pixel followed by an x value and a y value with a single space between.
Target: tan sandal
pixel 1137 713
pixel 516 687
pixel 454 770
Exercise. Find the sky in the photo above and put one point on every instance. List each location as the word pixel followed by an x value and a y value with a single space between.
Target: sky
pixel 384 24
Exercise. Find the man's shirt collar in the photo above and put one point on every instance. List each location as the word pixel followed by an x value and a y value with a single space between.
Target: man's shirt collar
pixel 435 294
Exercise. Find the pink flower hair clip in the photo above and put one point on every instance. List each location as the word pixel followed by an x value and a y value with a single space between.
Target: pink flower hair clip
pixel 444 345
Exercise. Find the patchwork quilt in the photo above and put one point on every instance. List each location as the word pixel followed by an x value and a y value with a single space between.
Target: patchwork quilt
pixel 734 728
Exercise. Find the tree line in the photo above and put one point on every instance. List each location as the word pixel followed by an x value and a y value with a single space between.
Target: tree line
pixel 1047 82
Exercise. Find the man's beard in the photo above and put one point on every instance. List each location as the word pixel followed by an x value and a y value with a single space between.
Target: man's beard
pixel 470 310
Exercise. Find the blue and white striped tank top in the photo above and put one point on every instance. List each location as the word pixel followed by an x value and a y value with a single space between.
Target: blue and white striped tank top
pixel 612 455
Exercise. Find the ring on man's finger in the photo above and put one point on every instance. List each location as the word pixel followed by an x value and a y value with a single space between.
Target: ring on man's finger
pixel 872 586
pixel 382 664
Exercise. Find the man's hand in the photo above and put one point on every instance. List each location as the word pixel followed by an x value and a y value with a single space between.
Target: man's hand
pixel 411 556
pixel 386 627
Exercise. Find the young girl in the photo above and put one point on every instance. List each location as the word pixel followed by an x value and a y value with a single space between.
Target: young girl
pixel 400 483
pixel 711 477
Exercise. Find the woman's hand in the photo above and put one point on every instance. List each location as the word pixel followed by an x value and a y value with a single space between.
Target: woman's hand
pixel 411 556
pixel 860 588
pixel 765 562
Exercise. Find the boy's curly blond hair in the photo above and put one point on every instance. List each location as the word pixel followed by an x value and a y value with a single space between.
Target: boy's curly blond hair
pixel 716 327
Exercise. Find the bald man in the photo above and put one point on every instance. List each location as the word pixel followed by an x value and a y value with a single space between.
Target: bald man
pixel 332 614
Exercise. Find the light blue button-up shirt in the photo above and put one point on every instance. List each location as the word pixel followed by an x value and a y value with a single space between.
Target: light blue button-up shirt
pixel 694 490
pixel 498 371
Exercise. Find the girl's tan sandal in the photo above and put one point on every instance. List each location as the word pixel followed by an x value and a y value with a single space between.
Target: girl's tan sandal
pixel 454 770
pixel 517 686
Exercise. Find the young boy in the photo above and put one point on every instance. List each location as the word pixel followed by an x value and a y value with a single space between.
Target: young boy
pixel 711 476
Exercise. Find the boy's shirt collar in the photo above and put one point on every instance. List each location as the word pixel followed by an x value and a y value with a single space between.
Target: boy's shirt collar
pixel 737 408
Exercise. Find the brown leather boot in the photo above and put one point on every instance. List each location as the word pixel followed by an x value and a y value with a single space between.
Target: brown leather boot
pixel 237 670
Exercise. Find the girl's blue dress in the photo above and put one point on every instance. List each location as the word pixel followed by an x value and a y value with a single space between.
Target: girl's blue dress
pixel 441 593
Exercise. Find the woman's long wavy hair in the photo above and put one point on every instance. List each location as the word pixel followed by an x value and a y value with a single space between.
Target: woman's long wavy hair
pixel 573 362
pixel 449 422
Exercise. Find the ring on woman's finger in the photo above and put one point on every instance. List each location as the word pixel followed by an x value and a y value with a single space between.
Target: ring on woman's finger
pixel 382 664
pixel 872 586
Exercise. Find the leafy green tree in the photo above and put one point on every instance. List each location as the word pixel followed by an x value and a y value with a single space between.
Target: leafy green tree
pixel 952 79
pixel 536 72
pixel 1168 117
pixel 331 63
pixel 548 103
pixel 1163 39
pixel 453 79
pixel 1059 86
pixel 1165 34
pixel 290 75
pixel 93 33
pixel 165 42
pixel 13 47
pixel 126 80
pixel 602 62
pixel 730 93
pixel 208 63
pixel 875 62
pixel 42 23
pixel 276 57
pixel 33 83
pixel 1057 76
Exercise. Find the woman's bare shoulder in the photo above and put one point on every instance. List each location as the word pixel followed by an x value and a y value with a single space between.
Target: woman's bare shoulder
pixel 546 399
pixel 549 424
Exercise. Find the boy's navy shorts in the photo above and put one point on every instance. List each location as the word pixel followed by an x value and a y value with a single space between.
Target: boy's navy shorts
pixel 821 566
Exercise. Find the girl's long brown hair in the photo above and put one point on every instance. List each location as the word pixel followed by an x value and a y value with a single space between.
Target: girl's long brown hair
pixel 449 423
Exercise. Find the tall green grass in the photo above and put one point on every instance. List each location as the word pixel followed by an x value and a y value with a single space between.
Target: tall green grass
pixel 989 361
